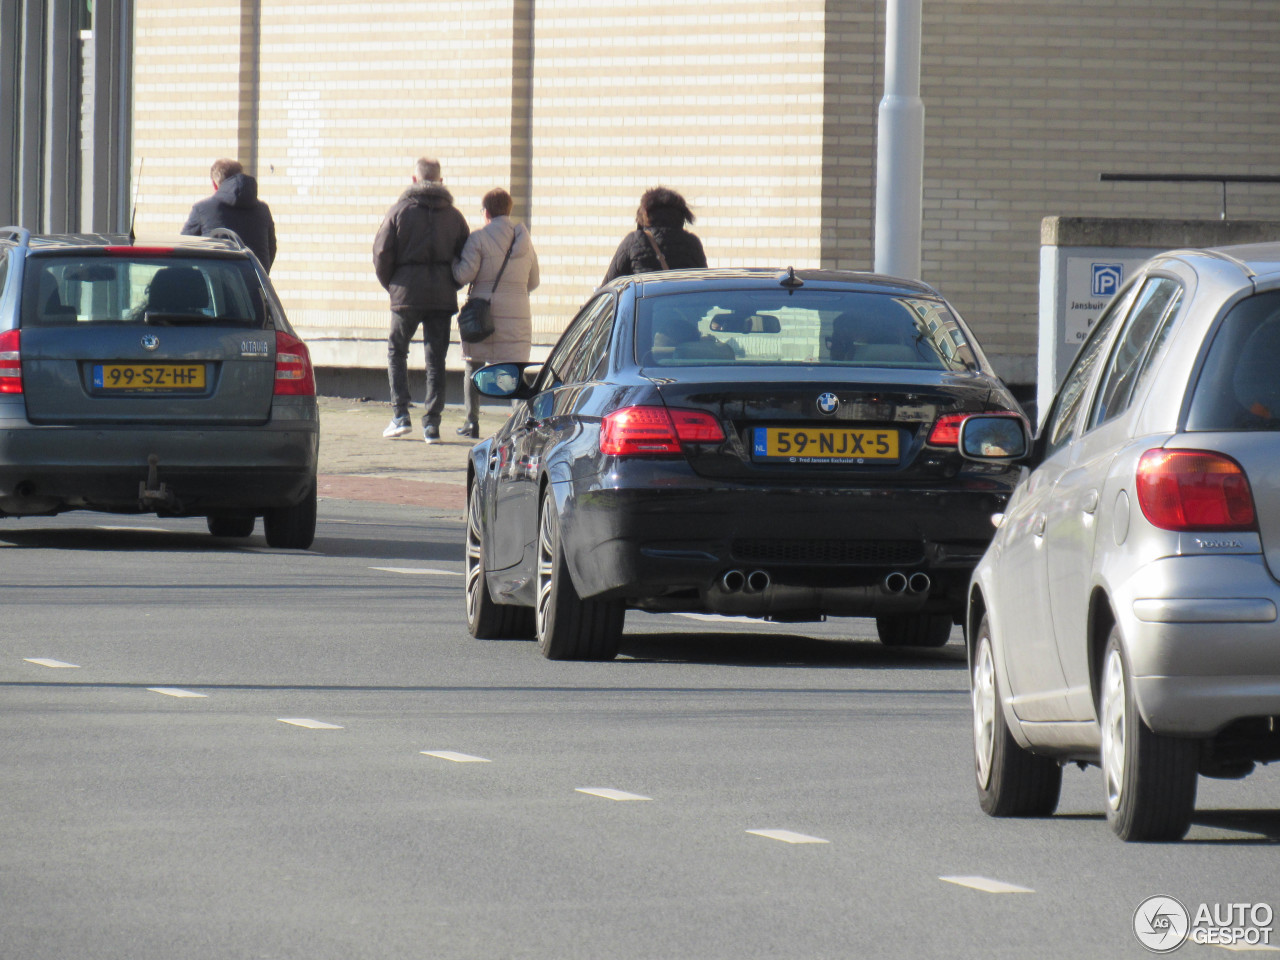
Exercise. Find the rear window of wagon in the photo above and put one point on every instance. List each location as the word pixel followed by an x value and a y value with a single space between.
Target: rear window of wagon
pixel 828 328
pixel 90 289
pixel 1239 388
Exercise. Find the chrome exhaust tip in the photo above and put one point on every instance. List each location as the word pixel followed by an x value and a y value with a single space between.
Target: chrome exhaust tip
pixel 733 581
pixel 895 582
pixel 919 583
pixel 757 581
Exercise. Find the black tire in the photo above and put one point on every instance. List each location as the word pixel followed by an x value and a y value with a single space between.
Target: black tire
pixel 1011 781
pixel 568 627
pixel 292 528
pixel 914 629
pixel 227 525
pixel 487 620
pixel 1150 779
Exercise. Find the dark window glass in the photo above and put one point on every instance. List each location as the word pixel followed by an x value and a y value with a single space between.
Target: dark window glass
pixel 1239 387
pixel 1152 311
pixel 1067 405
pixel 830 328
pixel 561 362
pixel 59 291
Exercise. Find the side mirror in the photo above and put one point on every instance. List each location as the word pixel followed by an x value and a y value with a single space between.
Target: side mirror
pixel 994 439
pixel 506 380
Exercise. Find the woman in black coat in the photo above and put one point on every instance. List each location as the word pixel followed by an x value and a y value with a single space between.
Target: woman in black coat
pixel 660 241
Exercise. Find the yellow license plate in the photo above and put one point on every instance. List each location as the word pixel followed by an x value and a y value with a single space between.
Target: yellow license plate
pixel 149 376
pixel 824 445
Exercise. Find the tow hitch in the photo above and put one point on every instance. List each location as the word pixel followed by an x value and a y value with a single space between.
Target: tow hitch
pixel 152 494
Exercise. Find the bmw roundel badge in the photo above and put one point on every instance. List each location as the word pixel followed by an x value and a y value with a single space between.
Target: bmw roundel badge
pixel 828 403
pixel 150 341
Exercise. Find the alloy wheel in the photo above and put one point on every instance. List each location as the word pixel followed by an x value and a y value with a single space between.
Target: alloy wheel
pixel 984 710
pixel 1113 727
pixel 475 564
pixel 546 568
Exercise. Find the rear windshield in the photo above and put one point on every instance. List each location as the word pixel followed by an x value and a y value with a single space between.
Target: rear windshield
pixel 831 328
pixel 63 291
pixel 1239 387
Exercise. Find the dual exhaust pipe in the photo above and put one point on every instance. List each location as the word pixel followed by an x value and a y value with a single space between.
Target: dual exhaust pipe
pixel 898 582
pixel 735 581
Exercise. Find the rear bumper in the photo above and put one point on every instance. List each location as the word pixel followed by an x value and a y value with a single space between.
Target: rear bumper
pixel 664 540
pixel 46 469
pixel 1203 641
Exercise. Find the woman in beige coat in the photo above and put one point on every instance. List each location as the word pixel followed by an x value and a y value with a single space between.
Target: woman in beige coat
pixel 479 264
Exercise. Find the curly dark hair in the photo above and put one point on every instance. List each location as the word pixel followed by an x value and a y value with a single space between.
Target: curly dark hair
pixel 662 207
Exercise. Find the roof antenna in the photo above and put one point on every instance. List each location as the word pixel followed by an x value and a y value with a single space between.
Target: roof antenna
pixel 790 280
pixel 136 187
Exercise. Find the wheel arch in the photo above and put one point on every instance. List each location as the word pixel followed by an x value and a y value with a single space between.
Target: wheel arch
pixel 1101 619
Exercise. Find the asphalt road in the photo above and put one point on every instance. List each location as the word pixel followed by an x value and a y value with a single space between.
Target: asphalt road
pixel 217 750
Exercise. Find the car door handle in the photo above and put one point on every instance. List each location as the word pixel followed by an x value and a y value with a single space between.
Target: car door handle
pixel 1090 501
pixel 1037 525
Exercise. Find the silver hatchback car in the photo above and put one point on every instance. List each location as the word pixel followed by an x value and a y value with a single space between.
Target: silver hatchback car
pixel 153 378
pixel 1125 613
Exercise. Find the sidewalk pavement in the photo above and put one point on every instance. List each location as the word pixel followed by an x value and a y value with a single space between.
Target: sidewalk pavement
pixel 357 463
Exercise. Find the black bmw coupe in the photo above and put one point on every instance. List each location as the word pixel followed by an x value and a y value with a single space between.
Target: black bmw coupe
pixel 763 443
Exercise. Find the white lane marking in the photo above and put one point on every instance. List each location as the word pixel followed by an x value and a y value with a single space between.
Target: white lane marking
pixel 717 618
pixel 46 662
pixel 1245 947
pixel 176 692
pixel 986 885
pixel 788 836
pixel 455 757
pixel 610 794
pixel 103 526
pixel 421 571
pixel 309 724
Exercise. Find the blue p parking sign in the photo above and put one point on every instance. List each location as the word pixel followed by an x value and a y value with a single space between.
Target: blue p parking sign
pixel 1107 278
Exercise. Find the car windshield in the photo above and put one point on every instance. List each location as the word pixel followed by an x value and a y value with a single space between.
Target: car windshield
pixel 1238 388
pixel 75 290
pixel 831 328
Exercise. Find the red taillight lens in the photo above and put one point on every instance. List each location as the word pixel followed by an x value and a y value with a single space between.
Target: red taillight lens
pixel 294 374
pixel 10 362
pixel 653 431
pixel 946 432
pixel 1194 490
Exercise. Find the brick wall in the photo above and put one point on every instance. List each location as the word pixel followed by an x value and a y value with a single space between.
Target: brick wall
pixel 762 112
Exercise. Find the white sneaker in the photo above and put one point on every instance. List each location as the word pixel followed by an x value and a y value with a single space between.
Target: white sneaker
pixel 397 428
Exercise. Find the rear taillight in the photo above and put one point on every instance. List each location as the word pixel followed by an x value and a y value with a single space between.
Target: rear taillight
pixel 946 431
pixel 1194 490
pixel 10 362
pixel 655 431
pixel 294 374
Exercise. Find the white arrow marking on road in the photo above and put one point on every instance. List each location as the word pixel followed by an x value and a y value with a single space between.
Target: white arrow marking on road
pixel 421 571
pixel 610 794
pixel 56 664
pixel 986 885
pixel 788 836
pixel 176 692
pixel 310 724
pixel 718 618
pixel 455 757
pixel 136 529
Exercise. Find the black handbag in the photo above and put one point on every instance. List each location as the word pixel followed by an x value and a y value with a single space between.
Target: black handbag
pixel 475 319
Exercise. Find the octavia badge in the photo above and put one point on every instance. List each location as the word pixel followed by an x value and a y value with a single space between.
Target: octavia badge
pixel 150 341
pixel 828 403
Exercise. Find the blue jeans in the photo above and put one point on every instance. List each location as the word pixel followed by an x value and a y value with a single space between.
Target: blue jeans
pixel 435 340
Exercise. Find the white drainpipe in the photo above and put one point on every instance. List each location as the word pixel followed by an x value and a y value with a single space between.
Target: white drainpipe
pixel 900 145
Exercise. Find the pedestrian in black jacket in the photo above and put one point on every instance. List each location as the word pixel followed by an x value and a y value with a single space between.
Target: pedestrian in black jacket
pixel 413 253
pixel 235 206
pixel 660 241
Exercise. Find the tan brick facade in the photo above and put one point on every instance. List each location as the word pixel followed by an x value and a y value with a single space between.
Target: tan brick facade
pixel 762 112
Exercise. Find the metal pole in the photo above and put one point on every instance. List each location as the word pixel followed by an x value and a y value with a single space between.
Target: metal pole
pixel 900 145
